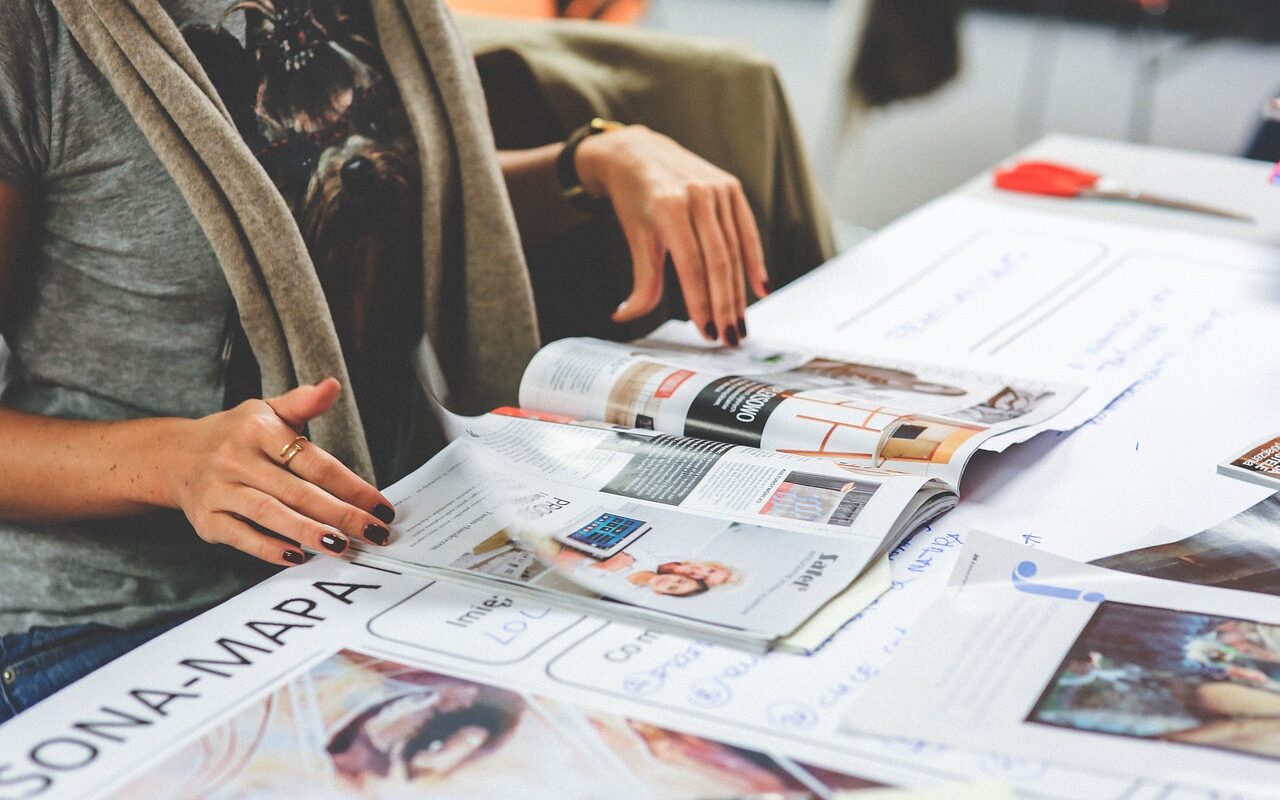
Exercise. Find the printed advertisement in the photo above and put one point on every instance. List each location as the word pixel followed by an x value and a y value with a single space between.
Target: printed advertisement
pixel 921 419
pixel 645 526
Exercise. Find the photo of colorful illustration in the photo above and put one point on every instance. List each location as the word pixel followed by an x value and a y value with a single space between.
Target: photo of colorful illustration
pixel 1169 675
pixel 357 726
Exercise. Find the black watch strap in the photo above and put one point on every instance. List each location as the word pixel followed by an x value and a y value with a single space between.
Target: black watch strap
pixel 567 167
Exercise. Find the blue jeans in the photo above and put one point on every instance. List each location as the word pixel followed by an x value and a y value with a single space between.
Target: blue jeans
pixel 35 664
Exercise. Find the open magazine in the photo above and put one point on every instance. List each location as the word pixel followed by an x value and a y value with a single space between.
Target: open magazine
pixel 730 495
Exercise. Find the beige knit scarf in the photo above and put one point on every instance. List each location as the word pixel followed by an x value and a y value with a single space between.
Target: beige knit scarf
pixel 490 330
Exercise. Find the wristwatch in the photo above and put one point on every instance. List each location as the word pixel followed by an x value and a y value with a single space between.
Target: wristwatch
pixel 567 167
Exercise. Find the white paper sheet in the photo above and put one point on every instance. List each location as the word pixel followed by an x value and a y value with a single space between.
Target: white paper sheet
pixel 1051 658
pixel 1183 318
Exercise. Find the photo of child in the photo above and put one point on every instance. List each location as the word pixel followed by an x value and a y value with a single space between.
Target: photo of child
pixel 1175 676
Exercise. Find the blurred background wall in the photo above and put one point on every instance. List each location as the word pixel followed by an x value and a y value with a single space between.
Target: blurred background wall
pixel 1179 73
pixel 1021 75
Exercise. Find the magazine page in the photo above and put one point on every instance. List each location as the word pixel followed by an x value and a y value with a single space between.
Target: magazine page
pixel 1056 659
pixel 902 415
pixel 1258 464
pixel 676 529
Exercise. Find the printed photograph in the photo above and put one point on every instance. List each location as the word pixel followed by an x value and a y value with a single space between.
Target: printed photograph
pixel 830 373
pixel 638 393
pixel 642 552
pixel 1006 404
pixel 1240 553
pixel 500 556
pixel 819 498
pixel 357 726
pixel 1168 675
pixel 924 439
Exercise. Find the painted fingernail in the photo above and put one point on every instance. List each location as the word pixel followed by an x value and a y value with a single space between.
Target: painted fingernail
pixel 710 330
pixel 742 328
pixel 768 288
pixel 385 513
pixel 377 534
pixel 334 543
pixel 293 556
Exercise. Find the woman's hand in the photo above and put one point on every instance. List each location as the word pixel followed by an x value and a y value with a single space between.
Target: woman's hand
pixel 227 476
pixel 670 201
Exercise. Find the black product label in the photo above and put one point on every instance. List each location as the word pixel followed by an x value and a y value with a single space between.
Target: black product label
pixel 733 409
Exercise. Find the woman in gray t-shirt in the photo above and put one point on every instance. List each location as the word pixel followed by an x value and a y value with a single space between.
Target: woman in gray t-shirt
pixel 131 439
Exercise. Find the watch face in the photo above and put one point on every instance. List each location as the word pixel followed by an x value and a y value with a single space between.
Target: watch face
pixel 604 535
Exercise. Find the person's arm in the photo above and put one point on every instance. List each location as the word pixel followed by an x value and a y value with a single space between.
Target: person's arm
pixel 668 202
pixel 222 471
pixel 542 212
pixel 14 214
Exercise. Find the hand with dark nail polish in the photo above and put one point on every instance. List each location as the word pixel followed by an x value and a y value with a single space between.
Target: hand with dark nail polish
pixel 378 535
pixel 276 495
pixel 710 330
pixel 731 337
pixel 333 542
pixel 742 328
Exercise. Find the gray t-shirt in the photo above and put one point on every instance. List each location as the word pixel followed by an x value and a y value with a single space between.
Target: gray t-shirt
pixel 120 310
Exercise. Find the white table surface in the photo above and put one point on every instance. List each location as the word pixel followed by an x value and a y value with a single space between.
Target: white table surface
pixel 1236 184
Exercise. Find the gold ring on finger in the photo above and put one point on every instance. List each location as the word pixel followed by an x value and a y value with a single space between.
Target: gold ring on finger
pixel 290 450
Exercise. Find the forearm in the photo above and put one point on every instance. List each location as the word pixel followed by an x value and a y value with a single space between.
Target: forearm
pixel 69 469
pixel 542 213
pixel 13 229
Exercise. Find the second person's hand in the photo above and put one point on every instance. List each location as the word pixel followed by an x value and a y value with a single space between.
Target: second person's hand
pixel 670 201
